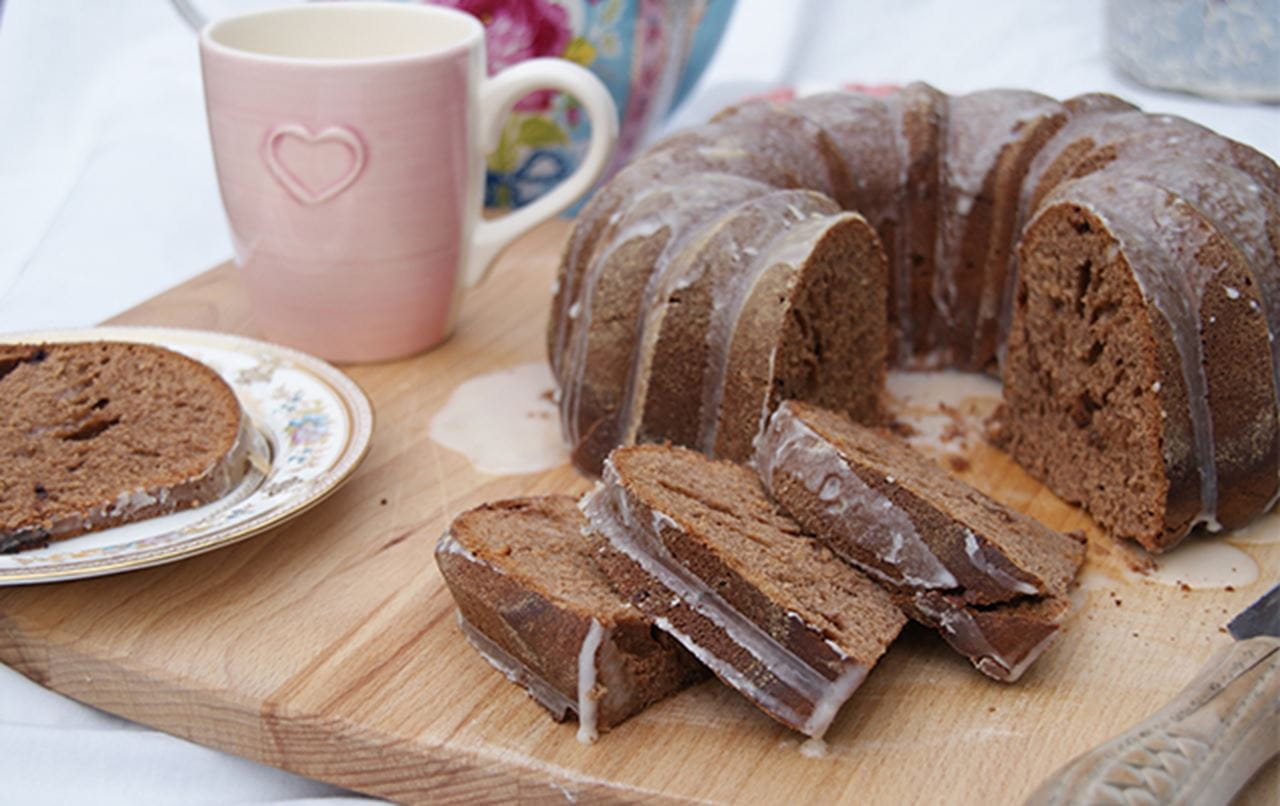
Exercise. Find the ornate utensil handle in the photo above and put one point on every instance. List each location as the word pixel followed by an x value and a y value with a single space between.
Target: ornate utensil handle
pixel 1199 749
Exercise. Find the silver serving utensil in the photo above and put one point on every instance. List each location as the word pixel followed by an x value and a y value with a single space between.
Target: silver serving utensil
pixel 1205 744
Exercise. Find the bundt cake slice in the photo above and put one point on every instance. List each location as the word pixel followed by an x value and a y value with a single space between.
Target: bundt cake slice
pixel 599 220
pixel 690 325
pixel 992 136
pixel 954 559
pixel 808 323
pixel 696 546
pixel 616 293
pixel 1244 417
pixel 1077 108
pixel 787 125
pixel 1138 380
pixel 1091 142
pixel 918 112
pixel 865 137
pixel 97 434
pixel 533 603
pixel 789 141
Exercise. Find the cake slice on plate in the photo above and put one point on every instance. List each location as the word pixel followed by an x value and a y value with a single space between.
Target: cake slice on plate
pixel 97 434
pixel 533 603
pixel 695 545
pixel 992 580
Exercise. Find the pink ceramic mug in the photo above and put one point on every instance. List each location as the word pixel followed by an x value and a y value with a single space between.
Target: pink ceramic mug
pixel 349 140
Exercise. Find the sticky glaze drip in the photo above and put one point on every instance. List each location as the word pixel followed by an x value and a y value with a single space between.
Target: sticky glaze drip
pixel 448 544
pixel 1203 565
pixel 977 553
pixel 1243 210
pixel 853 509
pixel 587 695
pixel 503 421
pixel 609 513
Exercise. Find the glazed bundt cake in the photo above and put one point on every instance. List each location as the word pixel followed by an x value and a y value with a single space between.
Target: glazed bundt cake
pixel 1118 269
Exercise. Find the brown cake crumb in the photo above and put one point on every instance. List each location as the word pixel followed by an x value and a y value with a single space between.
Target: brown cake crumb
pixel 949 554
pixel 528 590
pixel 903 429
pixel 96 434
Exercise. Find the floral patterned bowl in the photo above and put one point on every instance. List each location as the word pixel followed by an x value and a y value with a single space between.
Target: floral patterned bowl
pixel 648 53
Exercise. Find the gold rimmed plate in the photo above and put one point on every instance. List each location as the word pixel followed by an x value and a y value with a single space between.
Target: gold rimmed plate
pixel 315 424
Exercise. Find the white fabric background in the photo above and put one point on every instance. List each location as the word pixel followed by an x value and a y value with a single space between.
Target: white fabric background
pixel 107 196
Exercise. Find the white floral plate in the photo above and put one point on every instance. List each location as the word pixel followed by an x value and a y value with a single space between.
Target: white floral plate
pixel 316 424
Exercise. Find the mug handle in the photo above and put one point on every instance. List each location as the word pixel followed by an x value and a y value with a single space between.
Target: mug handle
pixel 497 96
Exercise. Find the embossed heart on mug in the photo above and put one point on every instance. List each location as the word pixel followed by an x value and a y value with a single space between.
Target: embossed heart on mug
pixel 314 167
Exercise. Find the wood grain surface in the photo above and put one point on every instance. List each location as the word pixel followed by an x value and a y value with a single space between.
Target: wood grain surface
pixel 329 646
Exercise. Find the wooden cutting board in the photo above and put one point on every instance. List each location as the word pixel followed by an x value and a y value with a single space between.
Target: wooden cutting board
pixel 329 647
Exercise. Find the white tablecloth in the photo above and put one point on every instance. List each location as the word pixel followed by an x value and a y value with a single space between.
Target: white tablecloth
pixel 107 196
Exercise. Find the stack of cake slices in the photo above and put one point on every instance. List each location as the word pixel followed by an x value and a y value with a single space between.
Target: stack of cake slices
pixel 787 580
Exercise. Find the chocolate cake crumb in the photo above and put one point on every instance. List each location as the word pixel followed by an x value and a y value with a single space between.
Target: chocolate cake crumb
pixel 530 596
pixel 97 434
pixel 696 544
pixel 903 429
pixel 949 554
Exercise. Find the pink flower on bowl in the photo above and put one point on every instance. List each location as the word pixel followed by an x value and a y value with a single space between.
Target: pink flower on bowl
pixel 516 30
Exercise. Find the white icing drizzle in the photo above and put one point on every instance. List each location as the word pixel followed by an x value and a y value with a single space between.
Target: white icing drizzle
pixel 813 748
pixel 609 513
pixel 1203 564
pixel 728 673
pixel 503 421
pixel 980 127
pixel 128 502
pixel 1262 531
pixel 587 701
pixel 976 552
pixel 942 282
pixel 601 673
pixel 858 513
pixel 1242 210
pixel 828 705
